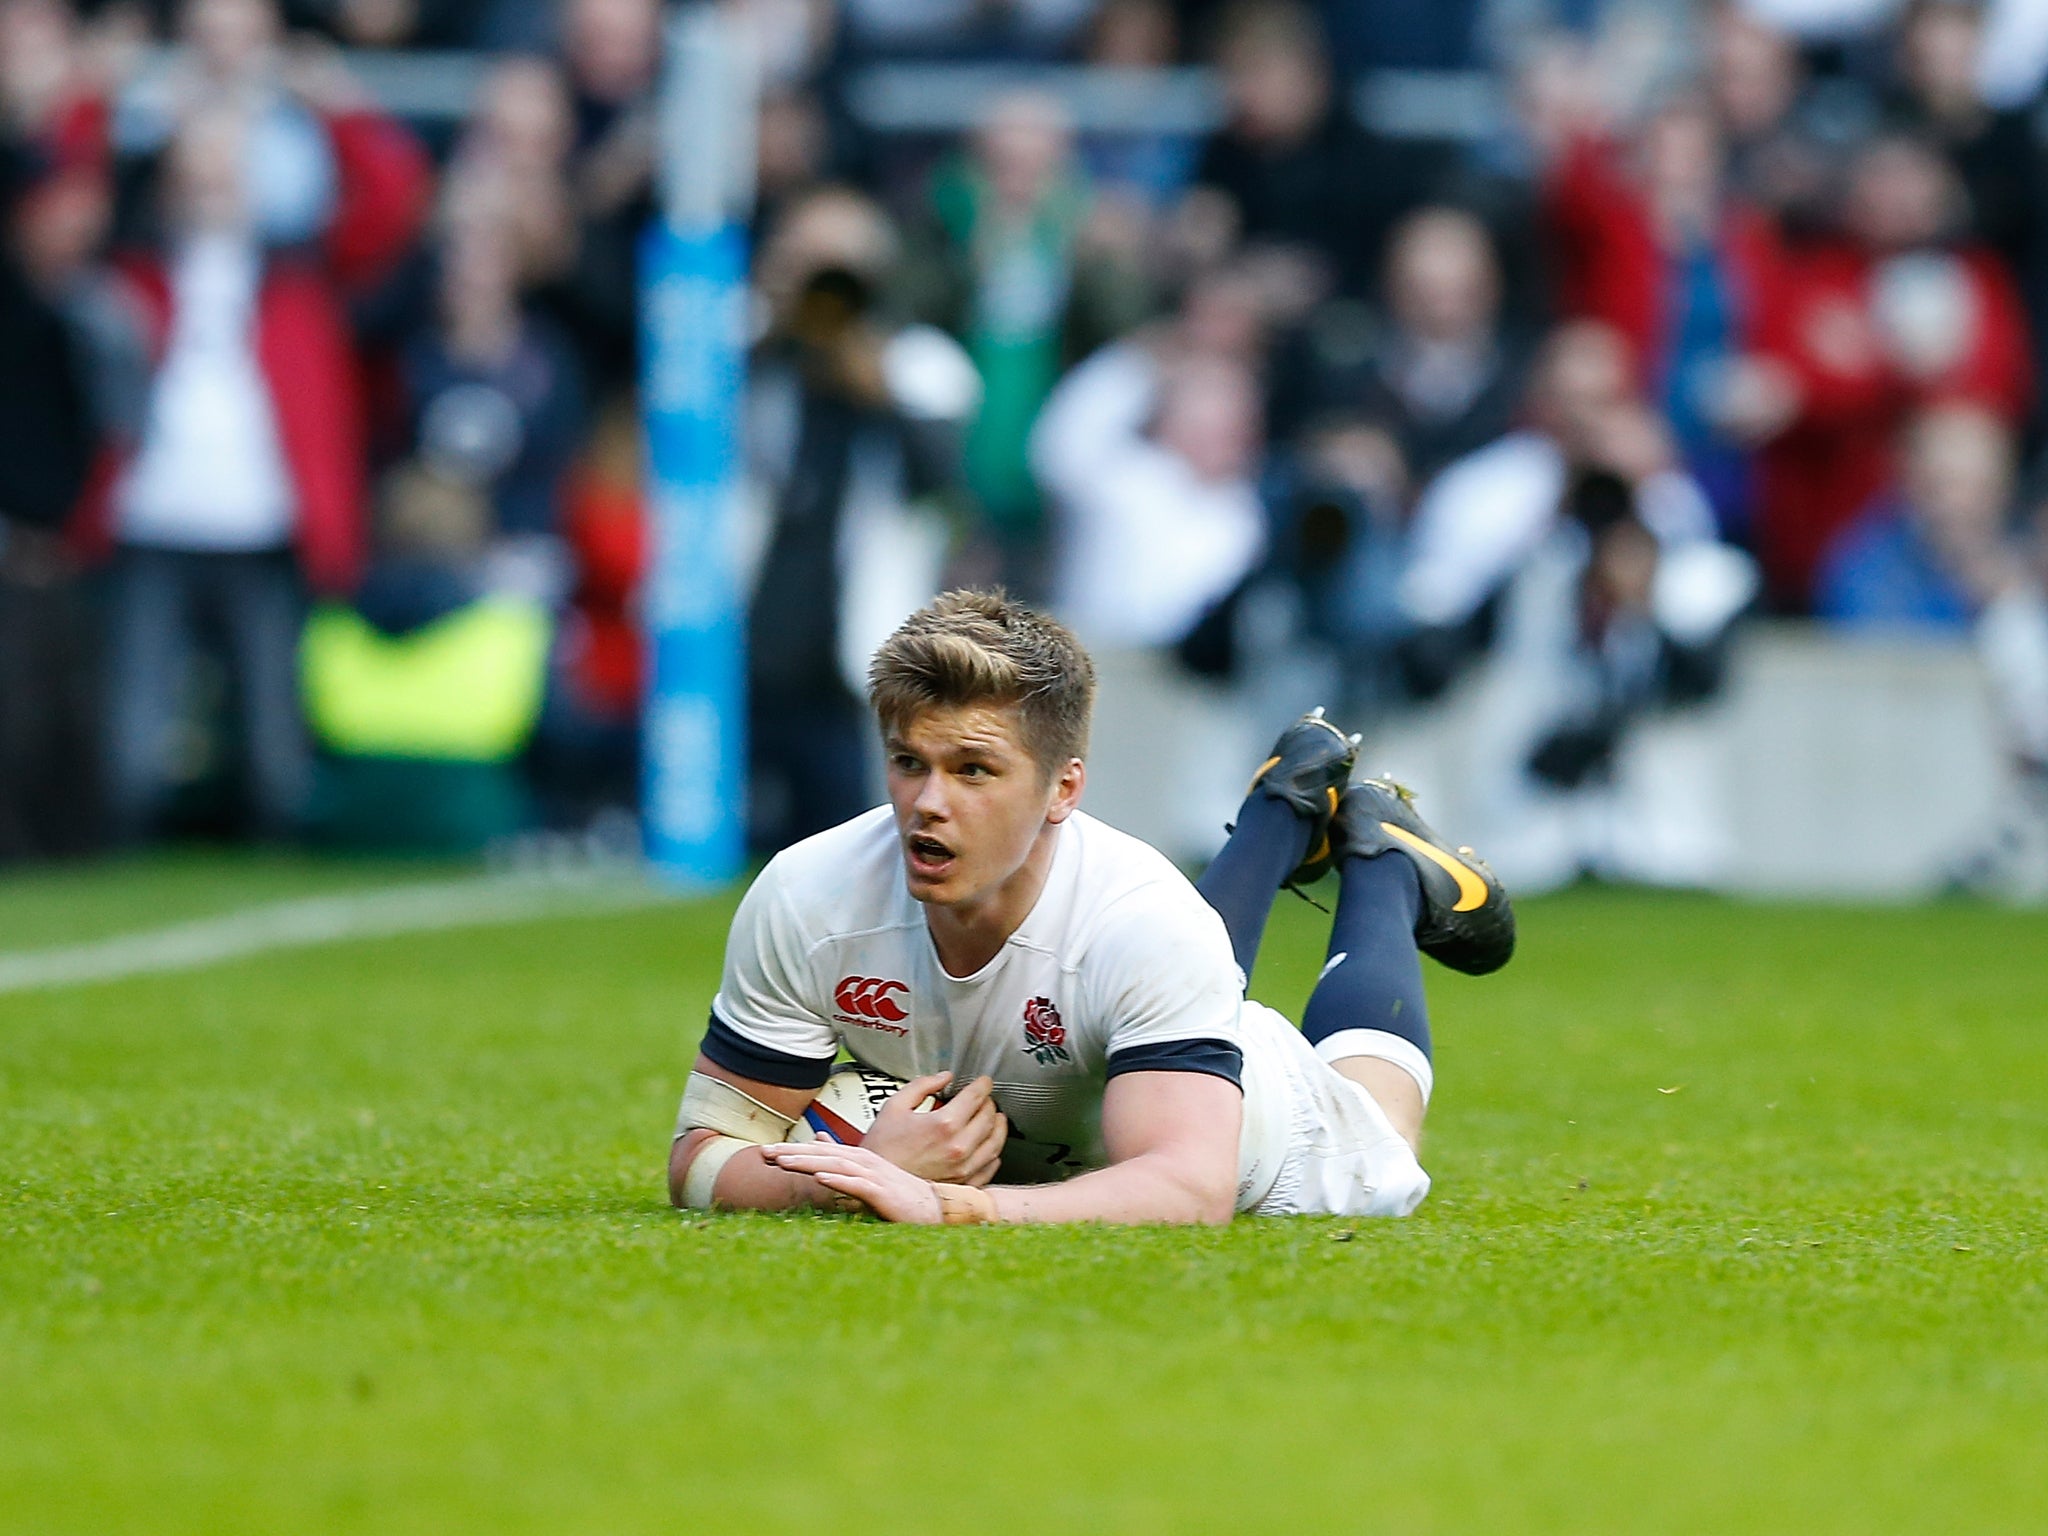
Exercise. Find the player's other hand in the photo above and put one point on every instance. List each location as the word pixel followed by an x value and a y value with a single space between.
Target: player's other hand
pixel 958 1142
pixel 890 1192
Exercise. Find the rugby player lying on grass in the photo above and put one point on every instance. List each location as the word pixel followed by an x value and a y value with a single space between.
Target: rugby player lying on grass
pixel 983 930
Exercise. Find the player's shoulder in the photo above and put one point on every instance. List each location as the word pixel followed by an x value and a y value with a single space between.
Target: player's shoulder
pixel 844 879
pixel 1112 859
pixel 1121 881
pixel 1136 928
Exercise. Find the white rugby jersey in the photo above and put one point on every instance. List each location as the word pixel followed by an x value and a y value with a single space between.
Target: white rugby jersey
pixel 1120 965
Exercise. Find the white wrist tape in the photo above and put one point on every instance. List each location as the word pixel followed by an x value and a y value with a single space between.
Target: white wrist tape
pixel 701 1177
pixel 712 1104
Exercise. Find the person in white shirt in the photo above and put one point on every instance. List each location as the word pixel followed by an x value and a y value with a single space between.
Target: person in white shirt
pixel 205 512
pixel 1149 464
pixel 983 934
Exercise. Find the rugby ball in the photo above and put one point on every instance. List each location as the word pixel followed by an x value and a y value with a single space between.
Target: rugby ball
pixel 847 1105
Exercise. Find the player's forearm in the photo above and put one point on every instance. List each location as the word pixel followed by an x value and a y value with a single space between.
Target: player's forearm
pixel 1146 1189
pixel 749 1182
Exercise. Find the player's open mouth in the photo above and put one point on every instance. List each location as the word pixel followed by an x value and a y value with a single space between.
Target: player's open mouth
pixel 928 856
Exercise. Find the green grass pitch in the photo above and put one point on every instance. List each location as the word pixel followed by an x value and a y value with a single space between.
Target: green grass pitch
pixel 1740 1224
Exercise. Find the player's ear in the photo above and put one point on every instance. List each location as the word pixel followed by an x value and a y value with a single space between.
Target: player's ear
pixel 1067 785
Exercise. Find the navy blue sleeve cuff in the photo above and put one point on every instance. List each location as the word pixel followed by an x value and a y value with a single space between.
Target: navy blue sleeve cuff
pixel 1217 1058
pixel 759 1063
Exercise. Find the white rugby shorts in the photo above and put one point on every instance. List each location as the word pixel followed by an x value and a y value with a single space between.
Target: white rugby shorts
pixel 1326 1143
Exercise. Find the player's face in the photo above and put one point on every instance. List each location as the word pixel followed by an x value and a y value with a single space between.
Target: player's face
pixel 972 805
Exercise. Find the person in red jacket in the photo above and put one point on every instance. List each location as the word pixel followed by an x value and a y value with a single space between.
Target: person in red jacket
pixel 1653 241
pixel 1895 314
pixel 240 485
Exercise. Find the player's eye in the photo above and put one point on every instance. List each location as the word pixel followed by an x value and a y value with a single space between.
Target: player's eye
pixel 974 771
pixel 903 762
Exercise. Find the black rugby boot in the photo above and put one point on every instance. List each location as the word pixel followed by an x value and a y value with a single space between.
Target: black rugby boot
pixel 1466 922
pixel 1307 770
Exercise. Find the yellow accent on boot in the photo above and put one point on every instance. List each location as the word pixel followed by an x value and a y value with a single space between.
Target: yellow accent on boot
pixel 1471 889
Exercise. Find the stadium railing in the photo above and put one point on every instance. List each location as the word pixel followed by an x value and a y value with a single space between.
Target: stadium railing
pixel 434 86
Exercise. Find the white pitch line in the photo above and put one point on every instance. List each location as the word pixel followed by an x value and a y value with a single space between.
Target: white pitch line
pixel 301 923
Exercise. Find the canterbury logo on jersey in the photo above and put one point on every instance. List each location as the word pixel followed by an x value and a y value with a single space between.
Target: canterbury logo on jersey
pixel 868 1001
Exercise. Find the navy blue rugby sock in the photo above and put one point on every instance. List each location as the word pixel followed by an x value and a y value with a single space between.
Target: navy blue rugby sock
pixel 1241 881
pixel 1373 980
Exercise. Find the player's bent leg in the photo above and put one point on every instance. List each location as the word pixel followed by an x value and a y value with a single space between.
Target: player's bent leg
pixel 1368 1018
pixel 1369 1168
pixel 1465 920
pixel 1318 1143
pixel 1395 1089
pixel 1282 832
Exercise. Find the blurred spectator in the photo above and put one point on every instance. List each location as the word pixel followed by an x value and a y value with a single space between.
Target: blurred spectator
pixel 803 133
pixel 792 151
pixel 322 168
pixel 1580 554
pixel 1488 513
pixel 1149 455
pixel 506 181
pixel 240 455
pixel 850 424
pixel 1860 330
pixel 793 39
pixel 514 159
pixel 50 418
pixel 243 477
pixel 612 51
pixel 493 395
pixel 1943 556
pixel 1930 556
pixel 1013 272
pixel 1290 168
pixel 585 757
pixel 1440 379
pixel 1784 139
pixel 1939 100
pixel 424 689
pixel 53 116
pixel 1149 169
pixel 1754 74
pixel 1653 244
pixel 49 763
pixel 1604 624
pixel 1996 153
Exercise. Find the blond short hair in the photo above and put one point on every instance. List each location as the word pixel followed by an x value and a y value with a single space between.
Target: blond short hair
pixel 984 647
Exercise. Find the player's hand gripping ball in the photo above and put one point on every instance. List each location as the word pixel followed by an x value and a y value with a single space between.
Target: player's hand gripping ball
pixel 931 1130
pixel 846 1107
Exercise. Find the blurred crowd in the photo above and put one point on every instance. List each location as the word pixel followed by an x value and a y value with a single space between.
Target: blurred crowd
pixel 321 500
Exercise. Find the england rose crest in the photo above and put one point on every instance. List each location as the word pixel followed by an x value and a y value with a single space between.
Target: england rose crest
pixel 1045 1037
